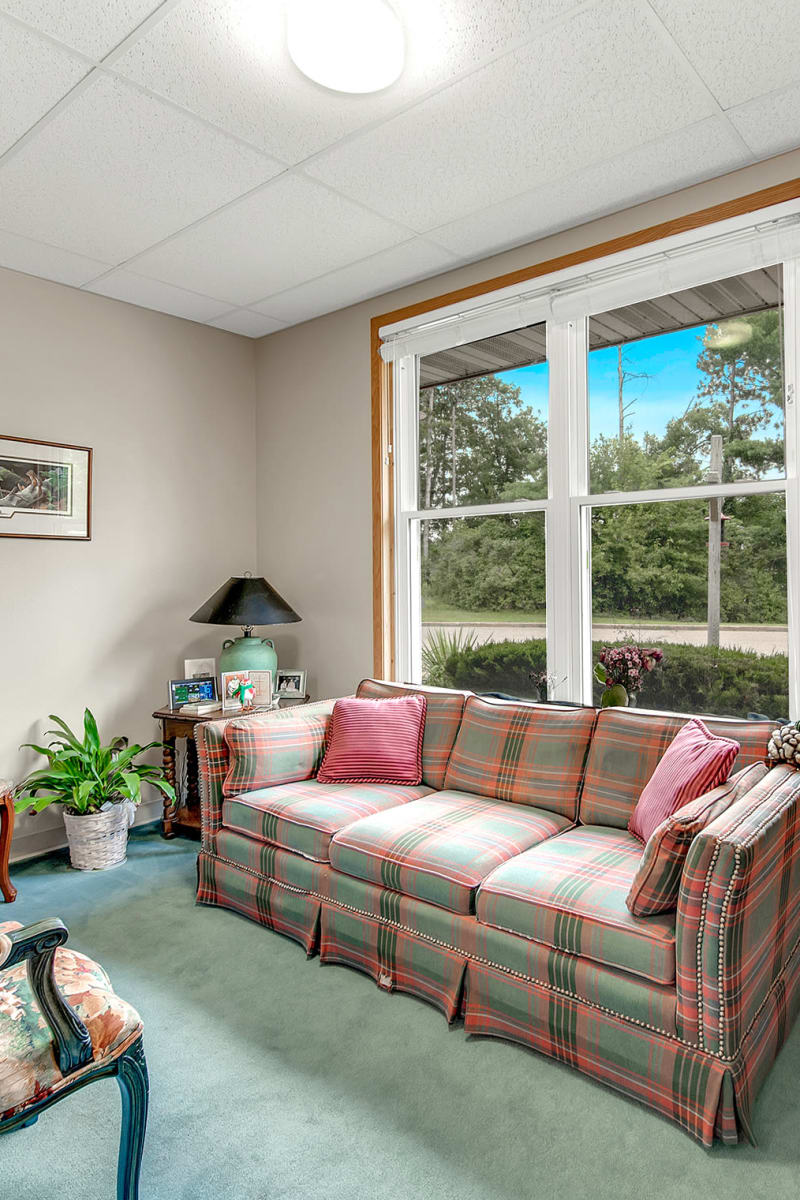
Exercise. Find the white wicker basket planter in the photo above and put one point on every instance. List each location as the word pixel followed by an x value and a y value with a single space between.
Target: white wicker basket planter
pixel 98 841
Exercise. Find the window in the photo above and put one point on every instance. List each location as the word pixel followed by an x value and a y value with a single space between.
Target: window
pixel 484 604
pixel 482 443
pixel 608 473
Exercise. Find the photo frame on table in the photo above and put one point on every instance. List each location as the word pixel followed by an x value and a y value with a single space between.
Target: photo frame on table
pixel 199 668
pixel 262 682
pixel 230 682
pixel 45 489
pixel 290 684
pixel 197 690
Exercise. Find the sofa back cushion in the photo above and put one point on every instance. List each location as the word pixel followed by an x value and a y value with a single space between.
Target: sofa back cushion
pixel 525 753
pixel 626 748
pixel 442 719
pixel 265 751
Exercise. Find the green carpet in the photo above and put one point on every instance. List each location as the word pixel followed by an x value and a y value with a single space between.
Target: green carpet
pixel 272 1076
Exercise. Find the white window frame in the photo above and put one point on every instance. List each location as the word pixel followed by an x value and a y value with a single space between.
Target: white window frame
pixel 565 301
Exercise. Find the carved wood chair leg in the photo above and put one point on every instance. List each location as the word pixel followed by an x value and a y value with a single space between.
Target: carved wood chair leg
pixel 134 1088
pixel 6 831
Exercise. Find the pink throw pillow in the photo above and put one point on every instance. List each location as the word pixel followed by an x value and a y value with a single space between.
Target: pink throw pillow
pixel 695 762
pixel 375 741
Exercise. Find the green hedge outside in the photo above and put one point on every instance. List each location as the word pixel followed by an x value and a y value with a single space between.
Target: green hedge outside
pixel 693 679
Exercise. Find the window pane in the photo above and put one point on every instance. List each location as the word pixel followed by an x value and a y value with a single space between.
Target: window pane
pixel 483 421
pixel 483 603
pixel 651 567
pixel 668 374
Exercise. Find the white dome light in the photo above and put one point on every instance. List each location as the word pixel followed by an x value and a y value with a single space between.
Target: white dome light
pixel 347 45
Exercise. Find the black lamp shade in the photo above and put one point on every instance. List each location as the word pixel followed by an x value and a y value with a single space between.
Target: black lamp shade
pixel 245 601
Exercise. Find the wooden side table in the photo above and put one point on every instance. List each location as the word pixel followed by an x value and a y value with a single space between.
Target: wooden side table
pixel 184 818
pixel 6 830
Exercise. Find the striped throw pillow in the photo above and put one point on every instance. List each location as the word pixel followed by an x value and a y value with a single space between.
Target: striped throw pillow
pixel 695 761
pixel 375 741
pixel 657 882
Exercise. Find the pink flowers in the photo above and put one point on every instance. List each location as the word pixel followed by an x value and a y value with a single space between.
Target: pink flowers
pixel 627 665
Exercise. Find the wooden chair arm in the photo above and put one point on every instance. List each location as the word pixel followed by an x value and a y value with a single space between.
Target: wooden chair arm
pixel 36 946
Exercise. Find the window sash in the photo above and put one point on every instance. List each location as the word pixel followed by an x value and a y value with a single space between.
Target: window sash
pixel 569 502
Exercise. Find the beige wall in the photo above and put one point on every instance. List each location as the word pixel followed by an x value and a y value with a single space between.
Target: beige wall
pixel 105 622
pixel 313 423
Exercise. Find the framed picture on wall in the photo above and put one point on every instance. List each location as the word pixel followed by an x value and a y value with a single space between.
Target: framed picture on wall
pixel 45 489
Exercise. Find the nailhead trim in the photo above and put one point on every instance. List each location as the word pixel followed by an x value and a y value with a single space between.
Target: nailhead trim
pixel 726 839
pixel 486 962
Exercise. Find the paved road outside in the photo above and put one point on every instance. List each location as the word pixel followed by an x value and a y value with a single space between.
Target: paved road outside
pixel 764 639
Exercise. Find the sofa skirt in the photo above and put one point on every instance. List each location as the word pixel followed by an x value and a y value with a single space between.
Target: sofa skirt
pixel 707 1095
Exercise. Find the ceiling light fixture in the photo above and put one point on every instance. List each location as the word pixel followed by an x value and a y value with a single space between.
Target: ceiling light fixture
pixel 352 46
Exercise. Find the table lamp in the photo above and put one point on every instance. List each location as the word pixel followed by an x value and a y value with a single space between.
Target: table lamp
pixel 246 601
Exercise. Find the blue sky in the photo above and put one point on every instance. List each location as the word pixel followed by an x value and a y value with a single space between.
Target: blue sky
pixel 671 361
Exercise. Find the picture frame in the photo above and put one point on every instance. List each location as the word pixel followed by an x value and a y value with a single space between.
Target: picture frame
pixel 290 684
pixel 199 668
pixel 197 690
pixel 263 684
pixel 45 489
pixel 228 680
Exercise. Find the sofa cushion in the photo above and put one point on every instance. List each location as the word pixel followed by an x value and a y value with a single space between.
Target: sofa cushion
pixel 304 816
pixel 695 761
pixel 525 753
pixel 440 848
pixel 375 741
pixel 626 748
pixel 569 893
pixel 265 752
pixel 442 719
pixel 657 882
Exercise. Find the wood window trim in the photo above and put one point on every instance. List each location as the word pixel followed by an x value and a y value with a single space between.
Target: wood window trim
pixel 383 573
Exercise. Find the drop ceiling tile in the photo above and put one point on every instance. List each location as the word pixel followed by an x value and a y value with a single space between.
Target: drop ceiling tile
pixel 34 75
pixel 707 149
pixel 556 105
pixel 381 272
pixel 163 297
pixel 92 26
pixel 116 171
pixel 248 323
pixel 227 61
pixel 288 232
pixel 48 262
pixel 741 51
pixel 770 124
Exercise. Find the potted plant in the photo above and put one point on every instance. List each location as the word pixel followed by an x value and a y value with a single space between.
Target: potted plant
pixel 621 670
pixel 99 787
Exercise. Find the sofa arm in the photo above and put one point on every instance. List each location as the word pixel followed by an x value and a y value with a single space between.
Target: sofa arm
pixel 214 759
pixel 738 920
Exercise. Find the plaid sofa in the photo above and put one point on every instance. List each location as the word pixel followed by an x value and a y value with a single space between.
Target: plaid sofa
pixel 496 888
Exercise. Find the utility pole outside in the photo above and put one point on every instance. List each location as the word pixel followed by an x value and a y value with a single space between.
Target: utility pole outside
pixel 714 541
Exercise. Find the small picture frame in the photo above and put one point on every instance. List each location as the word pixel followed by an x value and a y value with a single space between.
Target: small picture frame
pixel 230 683
pixel 262 683
pixel 197 690
pixel 199 668
pixel 290 685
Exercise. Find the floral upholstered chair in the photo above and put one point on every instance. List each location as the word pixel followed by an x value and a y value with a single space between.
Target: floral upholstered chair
pixel 63 1026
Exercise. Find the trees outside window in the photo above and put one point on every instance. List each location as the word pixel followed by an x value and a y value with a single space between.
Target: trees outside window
pixel 655 404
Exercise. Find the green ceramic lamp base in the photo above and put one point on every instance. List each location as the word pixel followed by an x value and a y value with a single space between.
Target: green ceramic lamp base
pixel 248 653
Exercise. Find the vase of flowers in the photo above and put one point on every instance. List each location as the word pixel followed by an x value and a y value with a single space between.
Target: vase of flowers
pixel 622 671
pixel 98 786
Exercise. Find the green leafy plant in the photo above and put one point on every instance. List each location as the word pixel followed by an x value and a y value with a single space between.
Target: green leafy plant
pixel 85 775
pixel 440 647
